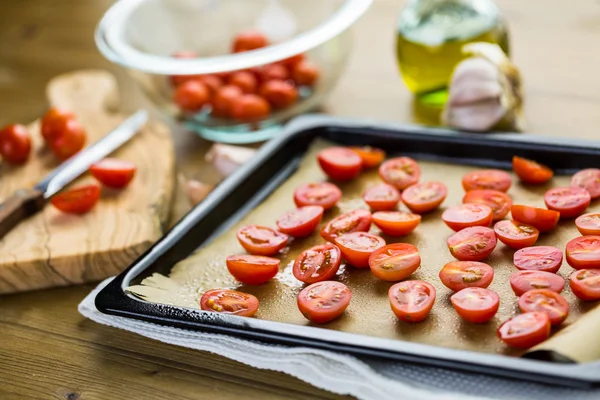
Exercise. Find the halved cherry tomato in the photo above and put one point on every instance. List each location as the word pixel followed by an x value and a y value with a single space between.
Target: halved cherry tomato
pixel 493 179
pixel 540 218
pixel 249 40
pixel 53 122
pixel 69 141
pixel 472 244
pixel 371 156
pixel 411 301
pixel 547 301
pixel 78 200
pixel 191 96
pixel 249 107
pixel 261 240
pixel 458 275
pixel 499 202
pixel 585 284
pixel 227 301
pixel 340 163
pixel 272 72
pixel 382 197
pixel 584 252
pixel 353 221
pixel 324 301
pixel 322 194
pixel 305 73
pixel 588 224
pixel 300 222
pixel 400 172
pixel 525 330
pixel 15 144
pixel 113 173
pixel 530 171
pixel 396 223
pixel 424 197
pixel 279 94
pixel 516 234
pixel 224 99
pixel 569 202
pixel 252 270
pixel 538 258
pixel 588 179
pixel 319 263
pixel 466 215
pixel 475 304
pixel 357 247
pixel 524 281
pixel 395 262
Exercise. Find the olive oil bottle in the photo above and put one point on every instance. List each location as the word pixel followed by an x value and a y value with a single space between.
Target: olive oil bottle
pixel 430 36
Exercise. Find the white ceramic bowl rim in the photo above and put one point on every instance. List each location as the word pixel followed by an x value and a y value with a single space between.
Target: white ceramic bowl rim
pixel 111 31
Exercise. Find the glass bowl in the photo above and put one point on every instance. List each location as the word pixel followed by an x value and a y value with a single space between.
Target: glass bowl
pixel 143 35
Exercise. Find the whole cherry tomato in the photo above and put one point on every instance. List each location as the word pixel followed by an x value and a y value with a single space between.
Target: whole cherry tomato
pixel 324 301
pixel 274 72
pixel 191 96
pixel 177 80
pixel 525 330
pixel 15 144
pixel 252 270
pixel 279 94
pixel 113 173
pixel 71 139
pixel 78 200
pixel 53 122
pixel 340 163
pixel 227 301
pixel 411 301
pixel 493 179
pixel 249 40
pixel 530 171
pixel 212 81
pixel 305 73
pixel 290 62
pixel 249 107
pixel 223 100
pixel 245 80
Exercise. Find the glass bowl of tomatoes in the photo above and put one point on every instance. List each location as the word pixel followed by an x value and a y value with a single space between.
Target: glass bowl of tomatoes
pixel 233 70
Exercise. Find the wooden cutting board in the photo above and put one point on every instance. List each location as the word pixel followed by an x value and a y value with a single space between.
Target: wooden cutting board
pixel 55 249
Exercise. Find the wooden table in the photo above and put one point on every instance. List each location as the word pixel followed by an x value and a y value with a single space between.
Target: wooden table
pixel 47 350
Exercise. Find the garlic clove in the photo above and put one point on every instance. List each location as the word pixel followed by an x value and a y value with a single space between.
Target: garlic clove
pixel 195 190
pixel 226 158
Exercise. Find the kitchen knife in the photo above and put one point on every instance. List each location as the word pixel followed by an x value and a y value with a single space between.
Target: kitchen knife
pixel 26 202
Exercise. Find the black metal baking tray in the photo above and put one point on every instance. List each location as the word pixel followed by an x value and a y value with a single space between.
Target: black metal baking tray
pixel 249 185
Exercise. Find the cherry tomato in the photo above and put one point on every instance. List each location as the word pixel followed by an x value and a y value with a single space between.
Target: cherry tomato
pixel 322 194
pixel 274 72
pixel 340 163
pixel 212 82
pixel 191 96
pixel 411 301
pixel 499 202
pixel 588 224
pixel 71 139
pixel 382 197
pixel 249 40
pixel 475 304
pixel 15 144
pixel 177 80
pixel 319 263
pixel 353 221
pixel 547 301
pixel 395 262
pixel 279 94
pixel 585 284
pixel 261 240
pixel 516 234
pixel 78 200
pixel 525 330
pixel 300 222
pixel 584 252
pixel 252 270
pixel 357 247
pixel 569 202
pixel 472 244
pixel 538 258
pixel 424 197
pixel 371 157
pixel 458 275
pixel 113 173
pixel 222 102
pixel 588 179
pixel 53 122
pixel 227 301
pixel 245 80
pixel 305 73
pixel 467 215
pixel 493 179
pixel 540 218
pixel 324 301
pixel 524 281
pixel 531 172
pixel 396 223
pixel 400 172
pixel 293 60
pixel 249 107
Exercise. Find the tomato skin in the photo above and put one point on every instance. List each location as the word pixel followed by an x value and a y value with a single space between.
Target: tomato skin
pixel 357 247
pixel 113 173
pixel 322 302
pixel 300 222
pixel 467 215
pixel 191 96
pixel 305 73
pixel 353 221
pixel 424 197
pixel 261 240
pixel 530 171
pixel 322 194
pixel 78 200
pixel 223 100
pixel 394 262
pixel 515 234
pixel 472 244
pixel 249 40
pixel 493 179
pixel 540 218
pixel 227 301
pixel 53 121
pixel 498 201
pixel 274 72
pixel 569 202
pixel 15 144
pixel 382 197
pixel 245 80
pixel 319 263
pixel 585 284
pixel 588 224
pixel 538 258
pixel 544 300
pixel 458 275
pixel 249 107
pixel 524 281
pixel 525 330
pixel 411 301
pixel 400 172
pixel 588 179
pixel 290 62
pixel 340 163
pixel 584 252
pixel 70 141
pixel 279 94
pixel 371 156
pixel 476 305
pixel 252 270
pixel 396 223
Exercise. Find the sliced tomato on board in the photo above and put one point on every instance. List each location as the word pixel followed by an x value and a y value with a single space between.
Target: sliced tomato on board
pixel 584 252
pixel 475 304
pixel 472 244
pixel 458 275
pixel 322 302
pixel 396 223
pixel 530 171
pixel 319 263
pixel 322 194
pixel 357 247
pixel 516 234
pixel 371 156
pixel 499 202
pixel 588 179
pixel 585 284
pixel 382 197
pixel 340 163
pixel 424 197
pixel 252 270
pixel 395 262
pixel 411 301
pixel 524 281
pixel 525 330
pixel 78 200
pixel 113 173
pixel 588 224
pixel 400 172
pixel 300 222
pixel 547 301
pixel 353 221
pixel 493 179
pixel 538 258
pixel 261 240
pixel 540 218
pixel 569 202
pixel 467 215
pixel 227 301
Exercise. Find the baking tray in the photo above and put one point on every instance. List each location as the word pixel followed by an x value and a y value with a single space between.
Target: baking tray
pixel 248 186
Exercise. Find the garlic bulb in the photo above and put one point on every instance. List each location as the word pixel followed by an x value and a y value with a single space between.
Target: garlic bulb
pixel 485 91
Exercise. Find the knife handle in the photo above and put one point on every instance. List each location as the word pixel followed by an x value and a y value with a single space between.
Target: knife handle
pixel 21 205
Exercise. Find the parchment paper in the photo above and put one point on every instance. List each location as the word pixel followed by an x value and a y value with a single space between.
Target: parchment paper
pixel 369 312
